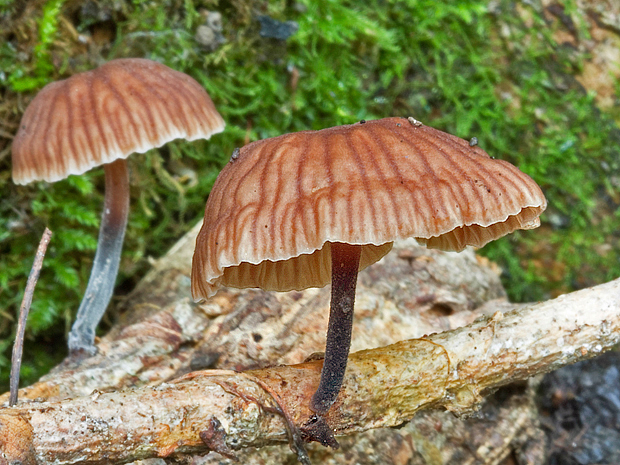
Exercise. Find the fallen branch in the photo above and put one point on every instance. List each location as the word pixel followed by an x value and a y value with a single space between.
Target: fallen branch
pixel 224 410
pixel 163 335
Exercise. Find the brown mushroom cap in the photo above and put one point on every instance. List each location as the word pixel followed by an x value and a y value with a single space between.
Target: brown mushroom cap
pixel 278 204
pixel 92 118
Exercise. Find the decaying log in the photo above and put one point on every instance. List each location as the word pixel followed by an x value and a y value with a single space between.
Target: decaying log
pixel 383 387
pixel 163 334
pixel 137 398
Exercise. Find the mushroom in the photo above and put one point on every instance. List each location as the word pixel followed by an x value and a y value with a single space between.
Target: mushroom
pixel 100 117
pixel 299 210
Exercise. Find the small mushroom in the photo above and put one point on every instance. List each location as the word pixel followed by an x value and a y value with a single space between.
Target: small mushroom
pixel 299 210
pixel 100 117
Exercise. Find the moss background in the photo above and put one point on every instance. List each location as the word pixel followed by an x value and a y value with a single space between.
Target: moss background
pixel 535 82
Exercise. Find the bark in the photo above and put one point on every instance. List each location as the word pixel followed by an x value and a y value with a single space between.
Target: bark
pixel 163 334
pixel 383 387
pixel 131 401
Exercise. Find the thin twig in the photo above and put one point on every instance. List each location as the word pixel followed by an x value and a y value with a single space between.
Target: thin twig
pixel 295 441
pixel 18 347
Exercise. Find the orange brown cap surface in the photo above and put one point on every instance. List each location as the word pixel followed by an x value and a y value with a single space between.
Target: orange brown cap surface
pixel 124 106
pixel 279 202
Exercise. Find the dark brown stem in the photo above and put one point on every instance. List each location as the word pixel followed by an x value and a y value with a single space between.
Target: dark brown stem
pixel 345 265
pixel 105 266
pixel 18 347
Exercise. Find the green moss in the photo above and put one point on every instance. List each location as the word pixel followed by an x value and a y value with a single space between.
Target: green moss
pixel 470 69
pixel 41 70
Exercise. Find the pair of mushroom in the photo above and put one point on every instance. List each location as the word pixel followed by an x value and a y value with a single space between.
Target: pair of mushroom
pixel 291 212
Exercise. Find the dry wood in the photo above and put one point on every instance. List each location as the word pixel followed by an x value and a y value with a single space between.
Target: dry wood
pixel 162 335
pixel 383 387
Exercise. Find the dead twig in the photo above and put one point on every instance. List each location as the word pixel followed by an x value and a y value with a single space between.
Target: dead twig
pixel 18 347
pixel 295 441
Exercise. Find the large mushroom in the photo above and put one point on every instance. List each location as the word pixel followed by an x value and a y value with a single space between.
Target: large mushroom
pixel 299 210
pixel 100 117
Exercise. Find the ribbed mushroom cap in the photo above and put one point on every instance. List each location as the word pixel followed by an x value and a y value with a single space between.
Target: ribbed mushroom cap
pixel 279 202
pixel 92 118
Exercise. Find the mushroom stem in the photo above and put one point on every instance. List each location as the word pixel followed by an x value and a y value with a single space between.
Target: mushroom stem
pixel 105 266
pixel 345 265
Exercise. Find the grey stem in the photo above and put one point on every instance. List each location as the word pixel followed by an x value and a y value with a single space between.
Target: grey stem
pixel 105 267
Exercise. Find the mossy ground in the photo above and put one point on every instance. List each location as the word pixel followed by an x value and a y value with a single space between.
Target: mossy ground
pixel 494 70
